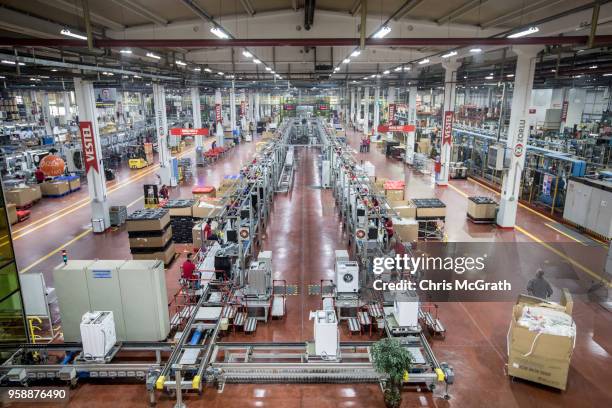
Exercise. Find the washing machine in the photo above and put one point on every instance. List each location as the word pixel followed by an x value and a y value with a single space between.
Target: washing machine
pixel 347 276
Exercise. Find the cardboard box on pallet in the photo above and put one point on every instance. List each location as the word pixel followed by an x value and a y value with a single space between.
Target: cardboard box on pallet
pixel 36 193
pixel 407 229
pixel 206 208
pixel 74 184
pixel 20 196
pixel 537 356
pixel 404 208
pixel 480 208
pixel 154 224
pixel 166 254
pixel 54 188
pixel 180 208
pixel 395 194
pixel 197 233
pixel 204 192
pixel 158 241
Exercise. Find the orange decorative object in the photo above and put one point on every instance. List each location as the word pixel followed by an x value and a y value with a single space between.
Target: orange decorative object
pixel 52 165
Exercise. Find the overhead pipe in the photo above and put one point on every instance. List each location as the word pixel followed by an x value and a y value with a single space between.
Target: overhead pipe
pixel 309 9
pixel 594 20
pixel 599 40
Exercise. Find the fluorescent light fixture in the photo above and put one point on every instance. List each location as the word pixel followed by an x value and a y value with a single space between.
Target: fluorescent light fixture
pixel 208 70
pixel 108 73
pixel 377 75
pixel 355 53
pixel 465 77
pixel 9 62
pixel 219 33
pixel 530 30
pixel 365 77
pixel 154 56
pixel 336 69
pixel 247 54
pixel 54 70
pixel 69 33
pixel 181 63
pixel 373 76
pixel 3 77
pixel 450 54
pixel 273 72
pixel 34 79
pixel 220 73
pixel 346 60
pixel 489 77
pixel 384 30
pixel 268 69
pixel 197 69
pixel 510 76
pixel 137 76
pixel 593 67
pixel 553 70
pixel 425 61
pixel 398 69
pixel 125 51
pixel 608 74
pixel 387 72
pixel 256 61
pixel 476 50
pixel 577 76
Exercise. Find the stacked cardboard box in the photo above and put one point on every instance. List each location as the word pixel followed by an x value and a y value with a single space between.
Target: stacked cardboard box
pixel 206 208
pixel 538 355
pixel 424 146
pixel 148 149
pixel 74 182
pixel 23 196
pixel 150 235
pixel 204 192
pixel 55 188
pixel 11 211
pixel 404 208
pixel 394 190
pixel 429 208
pixel 407 229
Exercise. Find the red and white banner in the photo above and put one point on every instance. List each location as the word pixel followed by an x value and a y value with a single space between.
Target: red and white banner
pixel 218 116
pixel 189 132
pixel 564 111
pixel 391 112
pixel 447 134
pixel 396 128
pixel 242 109
pixel 89 146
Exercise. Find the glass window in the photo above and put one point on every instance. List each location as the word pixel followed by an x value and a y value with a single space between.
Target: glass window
pixel 9 281
pixel 12 325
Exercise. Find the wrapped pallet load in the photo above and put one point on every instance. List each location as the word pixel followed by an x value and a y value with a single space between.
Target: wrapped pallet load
pixel 541 340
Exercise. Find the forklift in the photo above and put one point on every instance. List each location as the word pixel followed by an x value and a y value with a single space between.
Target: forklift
pixel 137 157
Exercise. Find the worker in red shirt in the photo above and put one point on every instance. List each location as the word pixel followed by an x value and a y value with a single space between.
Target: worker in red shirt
pixel 188 271
pixel 207 230
pixel 40 176
pixel 389 229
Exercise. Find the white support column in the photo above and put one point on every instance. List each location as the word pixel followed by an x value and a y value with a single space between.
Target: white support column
pixel 366 110
pixel 376 120
pixel 249 107
pixel 219 118
pixel 46 111
pixel 197 114
pixel 166 173
pixel 257 111
pixel 412 120
pixel 516 144
pixel 450 87
pixel 92 154
pixel 66 103
pixel 232 103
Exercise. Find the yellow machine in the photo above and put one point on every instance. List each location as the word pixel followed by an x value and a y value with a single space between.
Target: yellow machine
pixel 137 163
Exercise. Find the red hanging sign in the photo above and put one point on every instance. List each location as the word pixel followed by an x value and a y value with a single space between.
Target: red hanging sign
pixel 189 132
pixel 89 146
pixel 218 116
pixel 396 128
pixel 564 111
pixel 447 135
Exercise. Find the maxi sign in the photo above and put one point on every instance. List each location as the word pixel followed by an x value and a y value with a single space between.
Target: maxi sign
pixel 447 135
pixel 218 116
pixel 189 132
pixel 391 112
pixel 89 146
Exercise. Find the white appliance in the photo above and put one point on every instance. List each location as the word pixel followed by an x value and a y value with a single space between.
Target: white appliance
pixel 369 169
pixel 326 174
pixel 97 334
pixel 406 313
pixel 325 333
pixel 341 255
pixel 265 256
pixel 347 276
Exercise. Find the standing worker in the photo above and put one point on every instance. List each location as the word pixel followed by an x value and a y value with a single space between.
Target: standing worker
pixel 389 229
pixel 188 271
pixel 40 176
pixel 164 192
pixel 539 287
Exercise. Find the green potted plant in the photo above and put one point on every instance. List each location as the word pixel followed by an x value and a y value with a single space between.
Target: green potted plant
pixel 392 360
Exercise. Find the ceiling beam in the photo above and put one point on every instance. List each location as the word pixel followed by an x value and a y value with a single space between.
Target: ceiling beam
pixel 248 7
pixel 356 7
pixel 601 40
pixel 406 8
pixel 459 11
pixel 521 12
pixel 142 11
pixel 74 8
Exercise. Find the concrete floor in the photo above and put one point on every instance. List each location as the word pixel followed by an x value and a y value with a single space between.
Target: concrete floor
pixel 303 232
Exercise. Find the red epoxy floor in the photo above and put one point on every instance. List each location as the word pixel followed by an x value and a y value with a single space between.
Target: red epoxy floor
pixel 303 232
